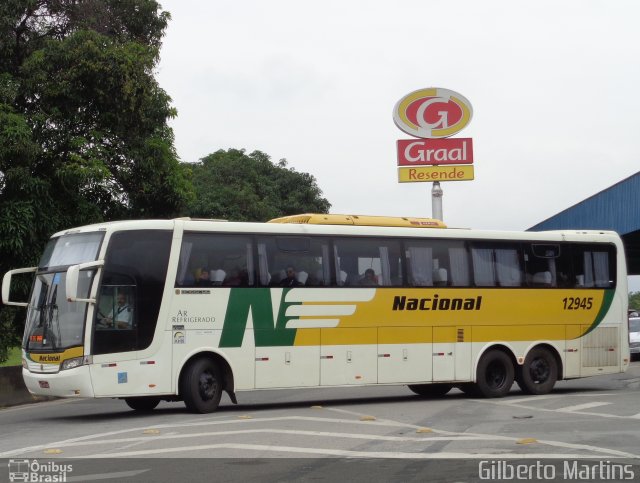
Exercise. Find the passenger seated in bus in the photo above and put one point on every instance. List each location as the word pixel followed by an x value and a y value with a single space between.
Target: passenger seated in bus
pixel 290 280
pixel 217 276
pixel 237 278
pixel 440 277
pixel 542 279
pixel 342 277
pixel 369 278
pixel 202 279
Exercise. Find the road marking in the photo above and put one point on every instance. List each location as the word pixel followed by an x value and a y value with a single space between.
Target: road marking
pixel 216 423
pixel 341 453
pixel 93 439
pixel 580 407
pixel 372 437
pixel 106 476
pixel 37 405
pixel 528 399
pixel 534 408
pixel 558 444
pixel 216 434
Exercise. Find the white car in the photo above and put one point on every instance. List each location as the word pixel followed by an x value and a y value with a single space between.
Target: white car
pixel 634 337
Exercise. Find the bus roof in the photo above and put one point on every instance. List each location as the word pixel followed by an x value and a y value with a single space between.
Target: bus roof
pixel 359 220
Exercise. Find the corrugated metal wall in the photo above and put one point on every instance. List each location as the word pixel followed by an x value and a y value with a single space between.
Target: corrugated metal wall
pixel 617 208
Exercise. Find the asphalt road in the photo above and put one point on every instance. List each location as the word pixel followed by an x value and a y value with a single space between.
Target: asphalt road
pixel 363 434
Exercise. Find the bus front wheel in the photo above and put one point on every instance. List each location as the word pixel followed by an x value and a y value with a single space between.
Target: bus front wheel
pixel 539 372
pixel 495 374
pixel 201 386
pixel 430 390
pixel 142 404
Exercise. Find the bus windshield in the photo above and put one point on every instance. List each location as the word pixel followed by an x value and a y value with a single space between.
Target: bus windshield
pixel 70 250
pixel 53 323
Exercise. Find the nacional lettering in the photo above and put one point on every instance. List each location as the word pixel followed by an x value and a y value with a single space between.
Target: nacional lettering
pixel 47 357
pixel 436 303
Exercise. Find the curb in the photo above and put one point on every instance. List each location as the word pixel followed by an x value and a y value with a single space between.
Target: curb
pixel 13 392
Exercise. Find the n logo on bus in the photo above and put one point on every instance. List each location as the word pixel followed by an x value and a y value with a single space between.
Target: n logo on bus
pixel 276 314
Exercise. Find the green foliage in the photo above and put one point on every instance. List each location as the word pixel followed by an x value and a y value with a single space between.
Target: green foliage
pixel 14 357
pixel 83 123
pixel 634 300
pixel 235 186
pixel 8 336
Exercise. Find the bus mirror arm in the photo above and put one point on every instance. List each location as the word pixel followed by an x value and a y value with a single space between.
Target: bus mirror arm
pixel 71 286
pixel 6 285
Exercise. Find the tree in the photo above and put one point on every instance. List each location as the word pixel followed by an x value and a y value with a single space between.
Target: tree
pixel 236 186
pixel 634 300
pixel 83 122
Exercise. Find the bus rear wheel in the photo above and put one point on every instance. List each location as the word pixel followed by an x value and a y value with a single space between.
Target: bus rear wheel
pixel 430 390
pixel 539 372
pixel 142 404
pixel 495 374
pixel 201 386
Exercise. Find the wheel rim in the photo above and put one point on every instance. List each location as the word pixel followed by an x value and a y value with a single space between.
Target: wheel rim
pixel 496 375
pixel 207 386
pixel 540 370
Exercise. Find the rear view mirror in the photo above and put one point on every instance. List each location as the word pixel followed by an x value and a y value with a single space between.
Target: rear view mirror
pixel 73 272
pixel 6 285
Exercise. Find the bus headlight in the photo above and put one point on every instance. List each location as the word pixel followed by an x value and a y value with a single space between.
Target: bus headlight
pixel 75 362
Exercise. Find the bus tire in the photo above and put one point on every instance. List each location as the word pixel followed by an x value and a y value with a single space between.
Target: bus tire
pixel 495 374
pixel 430 390
pixel 201 386
pixel 539 372
pixel 142 404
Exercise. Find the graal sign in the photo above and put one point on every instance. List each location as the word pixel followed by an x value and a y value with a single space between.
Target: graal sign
pixel 432 113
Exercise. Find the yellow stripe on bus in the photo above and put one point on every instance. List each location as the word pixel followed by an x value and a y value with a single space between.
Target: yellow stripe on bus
pixel 400 316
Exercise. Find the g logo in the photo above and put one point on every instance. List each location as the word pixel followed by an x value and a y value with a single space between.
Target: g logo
pixel 432 113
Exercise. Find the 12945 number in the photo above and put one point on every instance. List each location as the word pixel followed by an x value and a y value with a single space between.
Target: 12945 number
pixel 577 303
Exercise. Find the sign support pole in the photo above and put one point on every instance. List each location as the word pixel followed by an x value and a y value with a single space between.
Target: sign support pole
pixel 436 201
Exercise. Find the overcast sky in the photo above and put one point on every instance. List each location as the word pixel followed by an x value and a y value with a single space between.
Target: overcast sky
pixel 553 85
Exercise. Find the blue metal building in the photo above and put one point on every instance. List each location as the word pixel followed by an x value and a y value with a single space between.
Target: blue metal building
pixel 615 208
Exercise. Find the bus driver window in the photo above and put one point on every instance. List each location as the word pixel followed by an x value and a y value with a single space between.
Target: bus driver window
pixel 118 313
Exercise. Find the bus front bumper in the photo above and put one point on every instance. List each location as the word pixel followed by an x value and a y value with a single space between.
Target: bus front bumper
pixel 74 382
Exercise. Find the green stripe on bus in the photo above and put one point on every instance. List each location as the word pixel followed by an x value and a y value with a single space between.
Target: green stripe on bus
pixel 607 299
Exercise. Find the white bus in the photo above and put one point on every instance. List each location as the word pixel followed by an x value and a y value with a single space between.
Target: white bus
pixel 186 309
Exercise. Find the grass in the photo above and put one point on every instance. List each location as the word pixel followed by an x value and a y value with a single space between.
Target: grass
pixel 15 358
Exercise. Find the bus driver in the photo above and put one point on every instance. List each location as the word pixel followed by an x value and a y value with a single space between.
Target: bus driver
pixel 121 314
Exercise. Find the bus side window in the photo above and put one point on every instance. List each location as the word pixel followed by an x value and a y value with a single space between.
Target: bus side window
pixel 497 265
pixel 594 266
pixel 541 265
pixel 226 259
pixel 293 261
pixel 358 256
